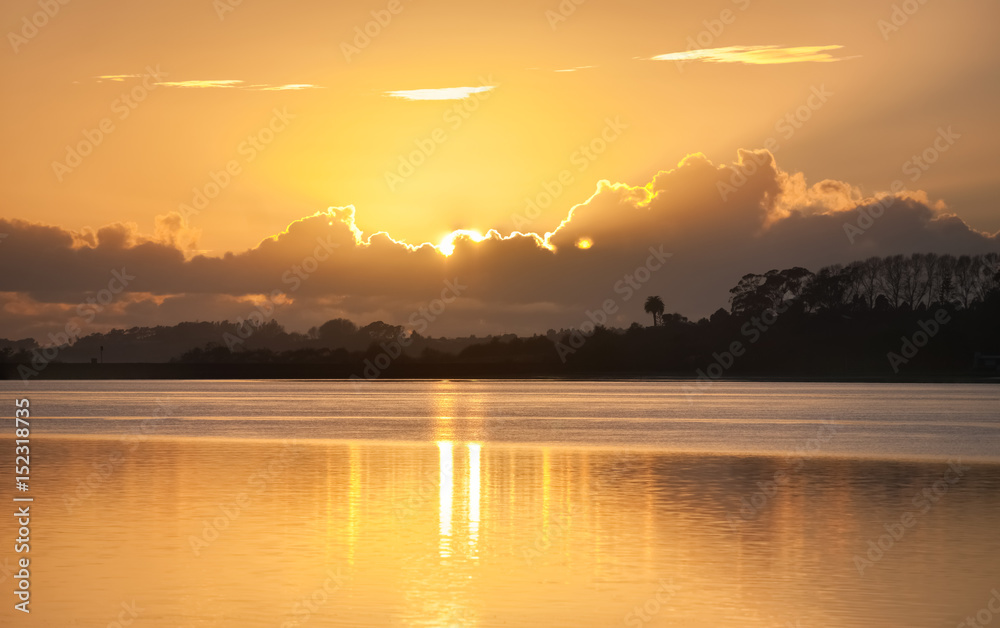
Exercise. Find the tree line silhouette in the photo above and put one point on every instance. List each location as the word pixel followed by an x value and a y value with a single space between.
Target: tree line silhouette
pixel 898 282
pixel 843 321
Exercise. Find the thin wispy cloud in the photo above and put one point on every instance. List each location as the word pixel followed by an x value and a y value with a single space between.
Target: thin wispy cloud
pixel 213 84
pixel 228 83
pixel 757 55
pixel 444 93
pixel 236 84
pixel 282 88
pixel 118 78
pixel 577 68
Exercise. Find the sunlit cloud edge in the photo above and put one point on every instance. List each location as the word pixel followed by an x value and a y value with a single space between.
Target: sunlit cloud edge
pixel 443 93
pixel 757 55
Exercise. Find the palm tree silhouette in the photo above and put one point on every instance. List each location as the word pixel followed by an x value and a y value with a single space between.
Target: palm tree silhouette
pixel 654 306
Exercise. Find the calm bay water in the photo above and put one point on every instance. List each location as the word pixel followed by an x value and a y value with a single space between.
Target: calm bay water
pixel 506 503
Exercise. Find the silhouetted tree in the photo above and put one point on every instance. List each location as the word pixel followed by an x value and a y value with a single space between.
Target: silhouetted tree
pixel 827 289
pixel 654 306
pixel 931 274
pixel 989 276
pixel 967 278
pixel 338 332
pixel 719 317
pixel 913 280
pixel 870 279
pixel 379 332
pixel 747 296
pixel 893 278
pixel 840 320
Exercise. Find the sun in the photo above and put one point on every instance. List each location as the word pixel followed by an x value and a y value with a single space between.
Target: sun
pixel 584 243
pixel 447 245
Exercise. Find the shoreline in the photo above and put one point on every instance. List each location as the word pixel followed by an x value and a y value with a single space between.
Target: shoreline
pixel 179 372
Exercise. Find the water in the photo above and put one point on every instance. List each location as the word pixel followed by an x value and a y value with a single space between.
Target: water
pixel 479 503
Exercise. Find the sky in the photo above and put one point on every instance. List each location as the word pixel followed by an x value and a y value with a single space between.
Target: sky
pixel 208 146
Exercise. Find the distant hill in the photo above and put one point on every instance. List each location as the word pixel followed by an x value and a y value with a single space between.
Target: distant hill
pixel 881 317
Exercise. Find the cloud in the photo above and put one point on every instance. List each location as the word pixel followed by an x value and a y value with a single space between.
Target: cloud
pixel 757 55
pixel 444 93
pixel 719 221
pixel 202 84
pixel 213 83
pixel 118 78
pixel 289 87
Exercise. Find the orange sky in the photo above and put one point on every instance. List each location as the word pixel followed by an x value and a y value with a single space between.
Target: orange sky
pixel 162 136
pixel 889 95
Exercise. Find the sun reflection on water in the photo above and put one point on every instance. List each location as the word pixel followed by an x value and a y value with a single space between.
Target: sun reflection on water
pixel 474 475
pixel 447 490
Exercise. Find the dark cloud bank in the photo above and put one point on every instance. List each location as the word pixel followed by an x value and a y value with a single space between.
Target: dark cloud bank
pixel 687 236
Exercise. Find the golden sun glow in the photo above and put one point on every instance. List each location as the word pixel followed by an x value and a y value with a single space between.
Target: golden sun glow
pixel 347 215
pixel 584 243
pixel 447 245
